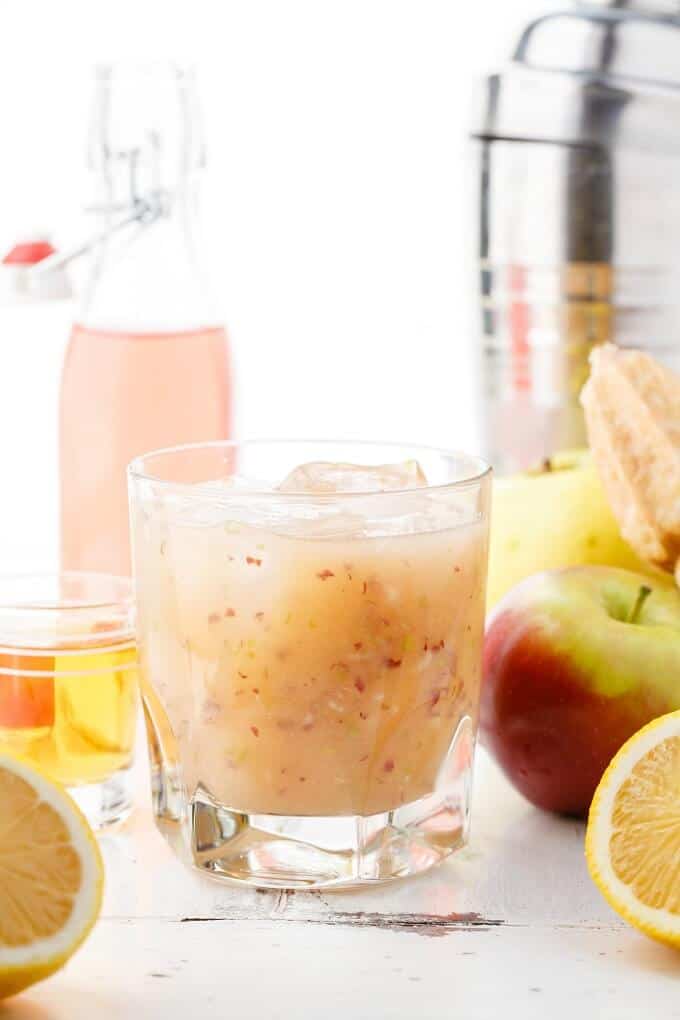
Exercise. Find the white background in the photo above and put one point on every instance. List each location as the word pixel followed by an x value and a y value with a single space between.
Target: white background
pixel 334 204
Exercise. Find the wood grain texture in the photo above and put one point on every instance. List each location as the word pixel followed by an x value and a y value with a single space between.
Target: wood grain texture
pixel 521 867
pixel 268 969
pixel 512 926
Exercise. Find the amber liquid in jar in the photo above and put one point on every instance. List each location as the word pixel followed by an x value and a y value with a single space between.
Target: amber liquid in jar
pixel 71 711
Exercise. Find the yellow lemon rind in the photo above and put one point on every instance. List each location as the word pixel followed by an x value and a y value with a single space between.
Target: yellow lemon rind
pixel 658 924
pixel 23 966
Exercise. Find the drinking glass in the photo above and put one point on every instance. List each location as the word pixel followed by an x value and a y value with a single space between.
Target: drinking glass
pixel 310 654
pixel 68 684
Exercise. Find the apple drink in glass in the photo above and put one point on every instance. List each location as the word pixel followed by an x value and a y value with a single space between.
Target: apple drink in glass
pixel 310 621
pixel 68 684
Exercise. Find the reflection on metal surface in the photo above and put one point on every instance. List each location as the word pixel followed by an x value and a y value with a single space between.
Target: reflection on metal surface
pixel 576 164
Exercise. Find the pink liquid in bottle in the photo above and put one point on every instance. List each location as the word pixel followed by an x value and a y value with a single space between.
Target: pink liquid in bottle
pixel 124 394
pixel 148 364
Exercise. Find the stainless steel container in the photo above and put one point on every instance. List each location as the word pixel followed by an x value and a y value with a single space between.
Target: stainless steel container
pixel 576 148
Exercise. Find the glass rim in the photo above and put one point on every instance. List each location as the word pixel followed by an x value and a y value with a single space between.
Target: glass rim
pixel 39 616
pixel 106 70
pixel 136 469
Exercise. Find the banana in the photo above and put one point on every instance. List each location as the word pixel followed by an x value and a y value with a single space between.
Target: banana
pixel 632 411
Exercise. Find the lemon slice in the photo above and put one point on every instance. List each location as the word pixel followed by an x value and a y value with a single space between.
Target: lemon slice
pixel 51 876
pixel 633 835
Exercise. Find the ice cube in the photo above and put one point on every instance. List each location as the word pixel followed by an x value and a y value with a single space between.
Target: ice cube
pixel 232 483
pixel 219 501
pixel 325 477
pixel 323 526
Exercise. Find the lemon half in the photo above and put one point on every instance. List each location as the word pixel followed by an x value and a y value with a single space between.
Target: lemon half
pixel 633 835
pixel 51 876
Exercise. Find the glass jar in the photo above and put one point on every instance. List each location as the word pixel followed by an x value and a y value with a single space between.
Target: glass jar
pixel 68 684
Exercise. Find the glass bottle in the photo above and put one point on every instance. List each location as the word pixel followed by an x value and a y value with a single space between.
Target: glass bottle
pixel 35 315
pixel 148 362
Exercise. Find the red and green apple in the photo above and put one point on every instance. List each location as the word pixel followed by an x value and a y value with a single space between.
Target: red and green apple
pixel 575 662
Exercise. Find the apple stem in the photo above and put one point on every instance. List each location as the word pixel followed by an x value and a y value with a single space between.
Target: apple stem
pixel 642 596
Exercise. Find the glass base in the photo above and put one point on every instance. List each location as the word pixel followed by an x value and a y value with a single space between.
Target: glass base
pixel 105 803
pixel 303 852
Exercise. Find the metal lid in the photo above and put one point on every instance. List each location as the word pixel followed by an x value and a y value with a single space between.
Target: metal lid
pixel 599 73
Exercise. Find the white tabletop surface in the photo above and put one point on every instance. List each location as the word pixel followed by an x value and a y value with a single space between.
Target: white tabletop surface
pixel 510 927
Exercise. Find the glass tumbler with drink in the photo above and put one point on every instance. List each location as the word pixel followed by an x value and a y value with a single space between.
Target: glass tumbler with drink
pixel 68 684
pixel 310 649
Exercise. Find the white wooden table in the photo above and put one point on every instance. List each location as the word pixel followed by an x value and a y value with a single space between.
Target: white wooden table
pixel 510 927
